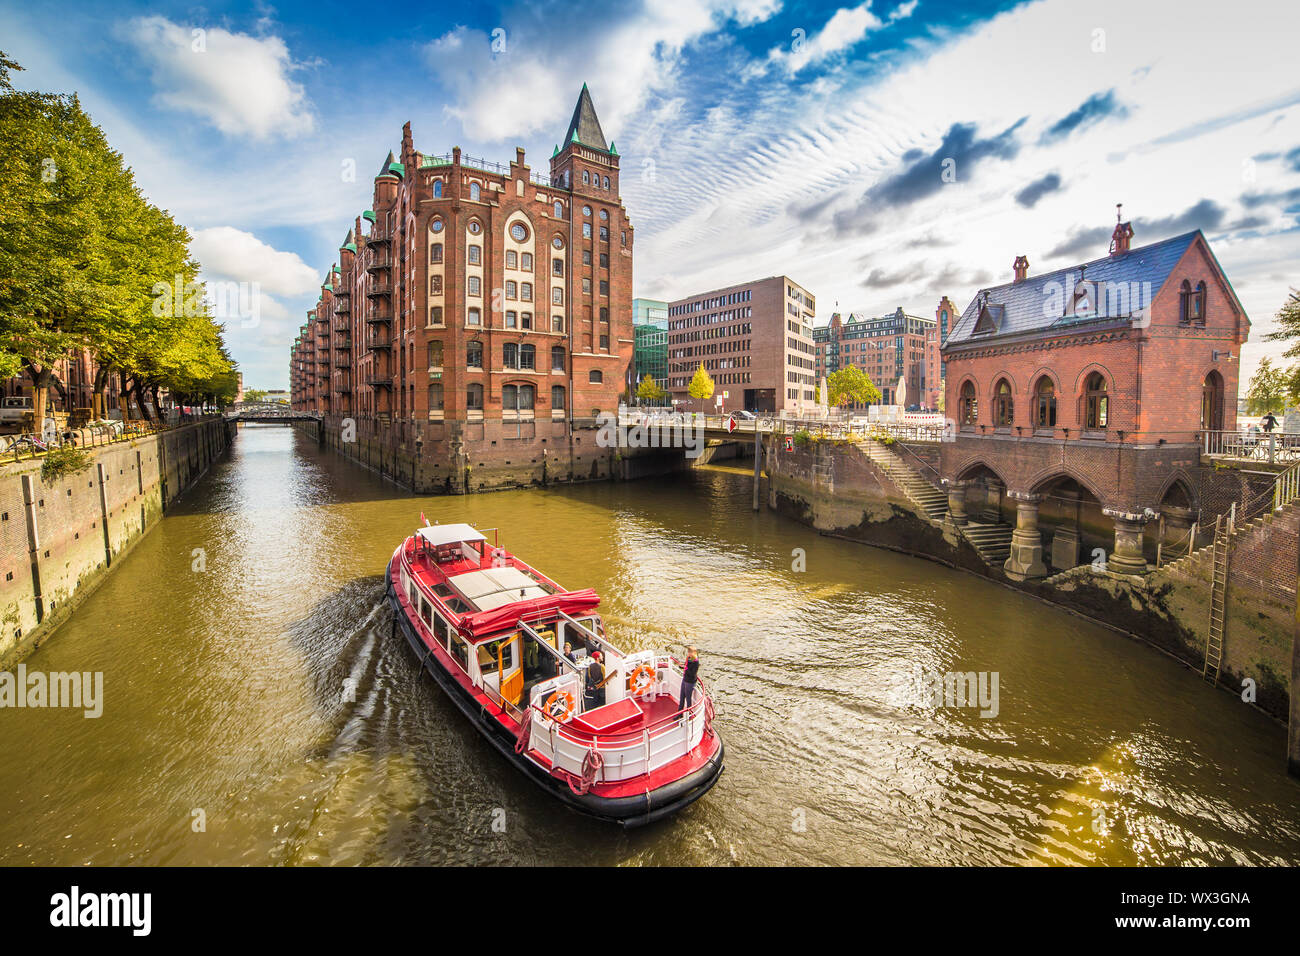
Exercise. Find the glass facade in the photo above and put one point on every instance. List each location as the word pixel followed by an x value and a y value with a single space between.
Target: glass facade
pixel 650 342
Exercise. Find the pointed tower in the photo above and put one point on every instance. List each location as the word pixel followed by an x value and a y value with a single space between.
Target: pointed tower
pixel 585 162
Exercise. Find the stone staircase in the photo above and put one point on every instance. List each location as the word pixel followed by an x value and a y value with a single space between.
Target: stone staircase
pixel 932 502
pixel 992 541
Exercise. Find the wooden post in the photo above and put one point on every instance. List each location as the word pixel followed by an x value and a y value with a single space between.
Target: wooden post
pixel 758 461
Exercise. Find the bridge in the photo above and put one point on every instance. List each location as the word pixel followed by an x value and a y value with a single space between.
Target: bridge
pixel 268 413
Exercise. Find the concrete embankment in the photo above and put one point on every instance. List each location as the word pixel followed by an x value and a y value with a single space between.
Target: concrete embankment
pixel 59 538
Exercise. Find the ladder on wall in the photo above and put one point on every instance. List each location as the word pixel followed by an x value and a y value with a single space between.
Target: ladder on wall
pixel 1218 595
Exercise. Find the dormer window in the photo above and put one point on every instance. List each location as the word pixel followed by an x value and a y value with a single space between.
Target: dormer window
pixel 1191 304
pixel 990 318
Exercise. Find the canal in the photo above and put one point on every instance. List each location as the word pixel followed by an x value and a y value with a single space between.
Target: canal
pixel 257 710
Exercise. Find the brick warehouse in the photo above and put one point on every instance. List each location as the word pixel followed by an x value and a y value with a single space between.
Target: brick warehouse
pixel 1080 396
pixel 483 320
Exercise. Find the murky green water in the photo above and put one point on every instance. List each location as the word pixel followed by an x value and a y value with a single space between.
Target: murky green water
pixel 226 736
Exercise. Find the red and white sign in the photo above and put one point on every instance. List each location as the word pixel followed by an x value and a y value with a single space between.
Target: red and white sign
pixel 731 423
pixel 789 443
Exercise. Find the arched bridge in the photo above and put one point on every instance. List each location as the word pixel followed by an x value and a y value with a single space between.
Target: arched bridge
pixel 268 413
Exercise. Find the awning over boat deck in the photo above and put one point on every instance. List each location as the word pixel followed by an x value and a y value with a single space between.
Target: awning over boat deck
pixel 493 587
pixel 440 534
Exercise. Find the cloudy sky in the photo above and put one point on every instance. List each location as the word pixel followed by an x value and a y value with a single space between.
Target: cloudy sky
pixel 757 136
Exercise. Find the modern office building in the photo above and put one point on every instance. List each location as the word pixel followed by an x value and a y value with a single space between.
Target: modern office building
pixel 754 340
pixel 650 349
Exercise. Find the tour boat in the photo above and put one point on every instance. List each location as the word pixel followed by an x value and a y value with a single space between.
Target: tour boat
pixel 492 631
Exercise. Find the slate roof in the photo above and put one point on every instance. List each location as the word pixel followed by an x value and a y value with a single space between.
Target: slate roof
pixel 1017 308
pixel 585 128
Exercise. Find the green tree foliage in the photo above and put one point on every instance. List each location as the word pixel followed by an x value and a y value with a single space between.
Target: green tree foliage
pixel 1268 390
pixel 254 395
pixel 850 385
pixel 83 257
pixel 701 386
pixel 1288 330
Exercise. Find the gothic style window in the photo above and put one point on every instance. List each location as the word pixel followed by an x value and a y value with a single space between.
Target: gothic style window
pixel 1096 402
pixel 474 191
pixel 1045 403
pixel 1003 404
pixel 559 210
pixel 968 405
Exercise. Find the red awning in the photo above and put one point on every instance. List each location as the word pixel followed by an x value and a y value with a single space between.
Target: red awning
pixel 572 603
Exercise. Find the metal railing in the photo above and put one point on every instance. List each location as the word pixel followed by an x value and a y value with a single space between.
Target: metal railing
pixel 1270 447
pixel 28 445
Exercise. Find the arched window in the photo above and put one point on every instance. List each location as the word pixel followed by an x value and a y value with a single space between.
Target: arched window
pixel 559 210
pixel 968 405
pixel 1003 404
pixel 1212 402
pixel 1198 304
pixel 595 377
pixel 474 317
pixel 517 398
pixel 1096 409
pixel 557 399
pixel 1045 403
pixel 528 356
pixel 435 252
pixel 557 358
pixel 474 191
pixel 510 355
pixel 586 176
pixel 606 182
pixel 474 355
pixel 435 315
pixel 474 396
pixel 437 189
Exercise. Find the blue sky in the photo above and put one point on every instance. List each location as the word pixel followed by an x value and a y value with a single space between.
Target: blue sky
pixel 757 136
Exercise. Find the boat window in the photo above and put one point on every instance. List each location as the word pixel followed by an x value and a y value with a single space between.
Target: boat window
pixel 411 592
pixel 425 613
pixel 457 606
pixel 440 629
pixel 461 651
pixel 487 657
pixel 443 590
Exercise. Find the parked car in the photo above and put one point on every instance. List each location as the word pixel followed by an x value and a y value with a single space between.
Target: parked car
pixel 745 416
pixel 15 409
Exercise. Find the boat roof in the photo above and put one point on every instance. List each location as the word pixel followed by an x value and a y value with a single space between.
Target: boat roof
pixel 491 588
pixel 438 534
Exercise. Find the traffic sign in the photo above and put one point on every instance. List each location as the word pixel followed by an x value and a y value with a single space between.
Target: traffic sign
pixel 731 423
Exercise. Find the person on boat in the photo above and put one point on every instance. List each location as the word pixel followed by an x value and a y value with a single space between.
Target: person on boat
pixel 568 653
pixel 690 674
pixel 595 683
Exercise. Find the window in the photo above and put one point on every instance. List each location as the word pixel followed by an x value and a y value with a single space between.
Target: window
pixel 1045 403
pixel 604 260
pixel 604 233
pixel 606 182
pixel 474 285
pixel 512 290
pixel 510 355
pixel 435 315
pixel 436 225
pixel 528 357
pixel 586 257
pixel 586 178
pixel 557 397
pixel 526 261
pixel 434 351
pixel 435 397
pixel 475 255
pixel 586 286
pixel 557 242
pixel 517 398
pixel 474 317
pixel 595 377
pixel 557 323
pixel 437 189
pixel 474 397
pixel 604 343
pixel 526 291
pixel 604 312
pixel 604 290
pixel 586 210
pixel 474 227
pixel 435 285
pixel 512 259
pixel 586 230
pixel 968 406
pixel 512 319
pixel 1003 404
pixel 518 232
pixel 435 252
pixel 1191 304
pixel 557 267
pixel 559 210
pixel 604 214
pixel 1096 402
pixel 474 192
pixel 474 355
pixel 557 295
pixel 557 358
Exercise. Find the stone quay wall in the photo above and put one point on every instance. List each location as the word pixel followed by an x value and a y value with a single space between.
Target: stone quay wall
pixel 58 540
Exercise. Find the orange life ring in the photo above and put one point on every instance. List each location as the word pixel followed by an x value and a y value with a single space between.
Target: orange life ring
pixel 641 680
pixel 559 706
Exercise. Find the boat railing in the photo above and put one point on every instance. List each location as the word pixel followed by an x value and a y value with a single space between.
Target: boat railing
pixel 590 634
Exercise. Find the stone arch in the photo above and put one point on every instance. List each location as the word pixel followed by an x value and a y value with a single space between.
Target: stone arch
pixel 1180 489
pixel 1049 476
pixel 969 469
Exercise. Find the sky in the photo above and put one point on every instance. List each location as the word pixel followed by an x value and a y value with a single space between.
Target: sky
pixel 882 154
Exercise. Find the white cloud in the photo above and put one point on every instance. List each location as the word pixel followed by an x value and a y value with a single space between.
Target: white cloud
pixel 845 29
pixel 239 83
pixel 232 254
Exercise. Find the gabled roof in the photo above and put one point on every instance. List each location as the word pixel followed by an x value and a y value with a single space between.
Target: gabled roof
pixel 1019 308
pixel 585 128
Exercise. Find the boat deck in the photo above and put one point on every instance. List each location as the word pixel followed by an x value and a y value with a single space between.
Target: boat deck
pixel 622 717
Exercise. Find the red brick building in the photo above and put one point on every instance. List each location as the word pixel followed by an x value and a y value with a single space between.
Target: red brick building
pixel 1079 397
pixel 945 314
pixel 484 302
pixel 889 348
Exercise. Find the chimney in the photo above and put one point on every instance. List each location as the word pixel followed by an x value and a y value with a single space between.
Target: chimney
pixel 1122 237
pixel 1021 267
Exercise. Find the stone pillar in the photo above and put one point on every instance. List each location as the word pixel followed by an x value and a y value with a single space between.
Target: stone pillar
pixel 1127 557
pixel 1026 559
pixel 992 512
pixel 1178 524
pixel 1065 541
pixel 957 502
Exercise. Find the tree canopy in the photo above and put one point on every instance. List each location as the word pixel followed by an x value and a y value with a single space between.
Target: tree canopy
pixel 1268 389
pixel 1288 330
pixel 850 385
pixel 701 386
pixel 648 390
pixel 85 260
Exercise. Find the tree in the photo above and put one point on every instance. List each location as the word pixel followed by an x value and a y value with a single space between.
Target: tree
pixel 254 395
pixel 648 390
pixel 701 386
pixel 1288 330
pixel 1268 389
pixel 850 385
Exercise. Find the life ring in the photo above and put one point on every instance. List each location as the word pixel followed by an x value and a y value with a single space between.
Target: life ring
pixel 641 680
pixel 559 706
